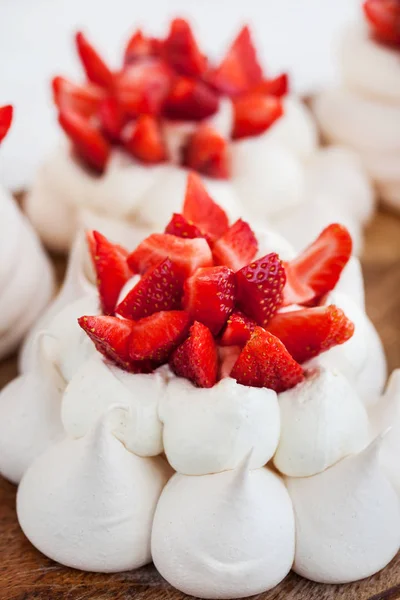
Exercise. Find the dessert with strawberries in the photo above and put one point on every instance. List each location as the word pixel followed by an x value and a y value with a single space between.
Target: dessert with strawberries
pixel 363 113
pixel 133 132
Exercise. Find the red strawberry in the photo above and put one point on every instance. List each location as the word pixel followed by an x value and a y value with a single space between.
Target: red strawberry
pixel 88 142
pixel 83 99
pixel 156 336
pixel 316 271
pixel 145 142
pixel 259 288
pixel 142 87
pixel 265 362
pixel 278 86
pixel 384 16
pixel 159 289
pixel 6 114
pixel 207 152
pixel 111 337
pixel 190 99
pixel 238 330
pixel 140 47
pixel 91 244
pixel 187 255
pixel 210 296
pixel 111 269
pixel 310 331
pixel 181 50
pixel 182 228
pixel 254 114
pixel 197 358
pixel 240 70
pixel 111 118
pixel 237 247
pixel 95 68
pixel 200 209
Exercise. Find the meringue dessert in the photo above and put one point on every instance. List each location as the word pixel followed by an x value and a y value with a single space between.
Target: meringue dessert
pixel 26 277
pixel 363 113
pixel 203 352
pixel 134 132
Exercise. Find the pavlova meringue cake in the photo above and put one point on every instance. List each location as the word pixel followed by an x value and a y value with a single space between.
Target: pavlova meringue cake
pixel 364 112
pixel 133 133
pixel 26 278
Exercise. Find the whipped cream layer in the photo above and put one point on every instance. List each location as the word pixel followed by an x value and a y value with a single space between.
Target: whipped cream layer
pixel 210 430
pixel 89 503
pixel 227 535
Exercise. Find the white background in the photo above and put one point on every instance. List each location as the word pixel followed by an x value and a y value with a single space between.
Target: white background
pixel 36 43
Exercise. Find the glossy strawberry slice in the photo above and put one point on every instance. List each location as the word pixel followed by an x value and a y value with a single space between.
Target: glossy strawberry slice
pixel 111 269
pixel 190 99
pixel 83 99
pixel 142 87
pixel 199 208
pixel 145 142
pixel 254 113
pixel 278 86
pixel 240 69
pixel 259 288
pixel 310 331
pixel 155 337
pixel 187 255
pixel 207 152
pixel 140 47
pixel 88 142
pixel 6 114
pixel 316 271
pixel 181 50
pixel 238 330
pixel 182 228
pixel 111 118
pixel 384 17
pixel 265 362
pixel 159 289
pixel 95 68
pixel 210 296
pixel 197 358
pixel 237 247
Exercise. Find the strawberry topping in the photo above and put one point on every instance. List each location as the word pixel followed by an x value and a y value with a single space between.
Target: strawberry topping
pixel 254 114
pixel 237 246
pixel 95 68
pixel 180 227
pixel 201 209
pixel 140 47
pixel 111 118
pixel 182 52
pixel 145 142
pixel 238 330
pixel 384 18
pixel 156 336
pixel 278 86
pixel 190 100
pixel 197 358
pixel 6 114
pixel 83 99
pixel 265 362
pixel 207 152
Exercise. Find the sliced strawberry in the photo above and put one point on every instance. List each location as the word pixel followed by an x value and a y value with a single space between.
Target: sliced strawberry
pixel 111 337
pixel 310 331
pixel 237 247
pixel 197 358
pixel 316 271
pixel 238 330
pixel 259 288
pixel 187 255
pixel 265 362
pixel 145 142
pixel 227 357
pixel 240 69
pixel 182 228
pixel 95 68
pixel 88 142
pixel 83 99
pixel 190 99
pixel 181 50
pixel 155 337
pixel 140 47
pixel 384 17
pixel 142 87
pixel 159 289
pixel 278 86
pixel 210 296
pixel 111 118
pixel 111 269
pixel 207 152
pixel 91 244
pixel 254 113
pixel 6 115
pixel 200 209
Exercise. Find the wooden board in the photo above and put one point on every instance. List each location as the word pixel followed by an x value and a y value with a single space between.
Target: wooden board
pixel 25 574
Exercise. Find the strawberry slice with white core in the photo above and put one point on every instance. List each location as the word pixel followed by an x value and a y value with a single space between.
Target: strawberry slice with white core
pixel 384 17
pixel 111 118
pixel 310 331
pixel 208 153
pixel 83 99
pixel 236 247
pixel 197 358
pixel 254 113
pixel 145 141
pixel 190 99
pixel 6 115
pixel 182 228
pixel 238 330
pixel 265 362
pixel 155 337
pixel 199 208
pixel 210 296
pixel 181 50
pixel 187 255
pixel 259 288
pixel 159 289
pixel 95 68
pixel 140 47
pixel 316 271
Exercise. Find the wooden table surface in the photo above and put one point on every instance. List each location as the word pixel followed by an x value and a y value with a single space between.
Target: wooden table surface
pixel 25 574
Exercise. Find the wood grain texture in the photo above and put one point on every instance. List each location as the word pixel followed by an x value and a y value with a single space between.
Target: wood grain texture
pixel 25 574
